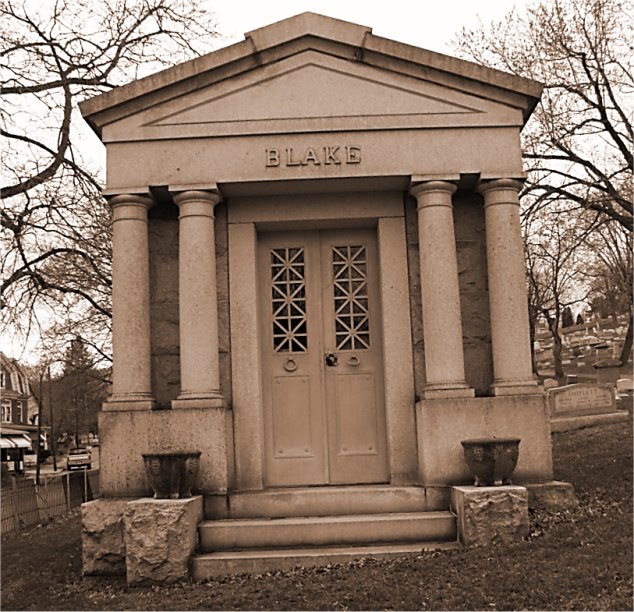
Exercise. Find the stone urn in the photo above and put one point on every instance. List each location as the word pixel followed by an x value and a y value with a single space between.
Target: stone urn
pixel 172 474
pixel 491 461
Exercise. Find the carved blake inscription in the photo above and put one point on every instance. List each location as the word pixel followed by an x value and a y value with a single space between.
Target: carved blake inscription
pixel 332 155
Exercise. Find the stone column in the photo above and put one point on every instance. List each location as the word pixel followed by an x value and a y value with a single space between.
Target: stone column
pixel 131 369
pixel 442 325
pixel 198 312
pixel 510 337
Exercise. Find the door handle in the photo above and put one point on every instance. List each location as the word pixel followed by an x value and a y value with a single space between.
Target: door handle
pixel 331 360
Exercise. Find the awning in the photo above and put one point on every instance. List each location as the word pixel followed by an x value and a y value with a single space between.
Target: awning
pixel 17 441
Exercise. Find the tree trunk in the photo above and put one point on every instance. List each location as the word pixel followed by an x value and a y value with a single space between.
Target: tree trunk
pixel 532 319
pixel 557 344
pixel 627 343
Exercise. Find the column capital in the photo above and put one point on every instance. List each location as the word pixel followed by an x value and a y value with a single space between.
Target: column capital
pixel 130 199
pixel 430 187
pixel 505 184
pixel 196 203
pixel 205 192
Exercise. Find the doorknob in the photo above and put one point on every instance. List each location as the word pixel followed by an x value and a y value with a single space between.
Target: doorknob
pixel 331 360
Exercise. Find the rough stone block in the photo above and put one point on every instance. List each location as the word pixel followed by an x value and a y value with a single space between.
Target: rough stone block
pixel 490 515
pixel 102 539
pixel 553 495
pixel 160 536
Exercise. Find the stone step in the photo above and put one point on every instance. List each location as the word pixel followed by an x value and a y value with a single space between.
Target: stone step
pixel 292 532
pixel 326 501
pixel 207 565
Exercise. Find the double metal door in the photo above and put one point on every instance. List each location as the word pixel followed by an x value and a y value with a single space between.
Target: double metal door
pixel 324 412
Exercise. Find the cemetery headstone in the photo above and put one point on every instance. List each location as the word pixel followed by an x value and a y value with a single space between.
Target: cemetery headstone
pixel 581 399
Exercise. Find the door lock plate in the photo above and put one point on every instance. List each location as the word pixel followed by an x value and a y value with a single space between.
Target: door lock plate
pixel 331 360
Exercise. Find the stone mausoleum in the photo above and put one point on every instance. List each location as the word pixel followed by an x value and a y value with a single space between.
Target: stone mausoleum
pixel 318 273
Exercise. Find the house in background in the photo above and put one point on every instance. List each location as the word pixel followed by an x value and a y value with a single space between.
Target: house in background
pixel 20 410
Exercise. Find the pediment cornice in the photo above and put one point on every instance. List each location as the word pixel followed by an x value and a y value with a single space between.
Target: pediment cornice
pixel 361 55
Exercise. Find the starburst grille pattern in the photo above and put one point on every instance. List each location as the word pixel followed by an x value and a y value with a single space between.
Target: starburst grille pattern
pixel 288 299
pixel 352 321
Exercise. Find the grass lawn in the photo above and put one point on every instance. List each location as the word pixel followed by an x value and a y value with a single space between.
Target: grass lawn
pixel 579 560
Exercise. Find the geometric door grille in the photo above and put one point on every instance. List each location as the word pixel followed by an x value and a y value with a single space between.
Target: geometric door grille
pixel 350 278
pixel 288 300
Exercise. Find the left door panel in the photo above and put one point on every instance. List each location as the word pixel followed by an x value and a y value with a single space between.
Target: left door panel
pixel 290 305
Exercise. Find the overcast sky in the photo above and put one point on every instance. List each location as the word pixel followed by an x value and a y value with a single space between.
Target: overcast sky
pixel 430 24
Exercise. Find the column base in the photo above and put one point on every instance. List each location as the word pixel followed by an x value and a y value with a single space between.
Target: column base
pixel 137 401
pixel 516 387
pixel 447 390
pixel 198 401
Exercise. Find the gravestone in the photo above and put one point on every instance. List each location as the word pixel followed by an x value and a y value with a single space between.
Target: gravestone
pixel 624 394
pixel 581 399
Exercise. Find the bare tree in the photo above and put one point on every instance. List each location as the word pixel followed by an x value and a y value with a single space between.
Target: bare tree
pixel 609 276
pixel 578 144
pixel 555 258
pixel 55 257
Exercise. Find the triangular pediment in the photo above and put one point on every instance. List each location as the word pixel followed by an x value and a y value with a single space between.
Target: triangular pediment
pixel 311 91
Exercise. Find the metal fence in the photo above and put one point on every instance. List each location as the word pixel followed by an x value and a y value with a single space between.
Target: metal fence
pixel 23 503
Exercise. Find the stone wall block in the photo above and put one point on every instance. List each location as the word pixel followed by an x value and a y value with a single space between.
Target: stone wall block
pixel 471 265
pixel 102 537
pixel 478 365
pixel 469 216
pixel 224 365
pixel 552 495
pixel 166 378
pixel 224 339
pixel 475 315
pixel 160 536
pixel 222 252
pixel 419 370
pixel 490 515
pixel 165 334
pixel 411 223
pixel 443 423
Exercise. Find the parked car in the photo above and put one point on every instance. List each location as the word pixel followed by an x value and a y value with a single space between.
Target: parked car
pixel 78 457
pixel 30 460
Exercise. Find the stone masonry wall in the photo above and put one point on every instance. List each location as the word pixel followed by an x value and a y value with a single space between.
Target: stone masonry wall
pixel 474 293
pixel 222 284
pixel 163 246
pixel 474 296
pixel 165 342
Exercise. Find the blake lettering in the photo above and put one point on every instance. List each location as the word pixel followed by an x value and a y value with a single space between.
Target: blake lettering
pixel 310 156
pixel 353 154
pixel 272 158
pixel 289 158
pixel 330 155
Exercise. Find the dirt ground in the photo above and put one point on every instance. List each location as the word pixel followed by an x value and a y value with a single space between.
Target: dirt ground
pixel 574 560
